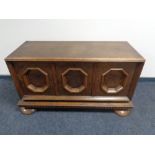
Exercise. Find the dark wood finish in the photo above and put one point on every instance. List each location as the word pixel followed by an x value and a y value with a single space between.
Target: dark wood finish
pixel 137 72
pixel 35 78
pixel 68 73
pixel 14 77
pixel 75 75
pixel 76 98
pixel 115 51
pixel 80 104
pixel 113 79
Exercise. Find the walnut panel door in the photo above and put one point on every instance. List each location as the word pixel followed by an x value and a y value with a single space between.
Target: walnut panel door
pixel 112 79
pixel 74 78
pixel 35 78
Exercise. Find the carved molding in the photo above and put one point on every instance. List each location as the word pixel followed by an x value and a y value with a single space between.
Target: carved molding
pixel 30 85
pixel 68 87
pixel 120 84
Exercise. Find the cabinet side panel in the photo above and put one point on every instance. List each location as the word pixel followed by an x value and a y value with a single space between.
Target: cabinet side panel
pixel 15 79
pixel 137 72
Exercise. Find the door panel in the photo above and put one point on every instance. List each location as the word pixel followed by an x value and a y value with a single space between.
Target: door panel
pixel 35 77
pixel 74 78
pixel 112 79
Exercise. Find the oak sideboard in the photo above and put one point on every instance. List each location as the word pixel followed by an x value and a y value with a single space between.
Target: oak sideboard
pixel 75 74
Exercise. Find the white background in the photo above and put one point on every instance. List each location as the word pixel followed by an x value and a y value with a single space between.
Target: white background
pixel 77 145
pixel 139 33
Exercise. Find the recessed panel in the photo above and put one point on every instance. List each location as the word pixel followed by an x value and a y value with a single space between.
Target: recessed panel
pixel 112 79
pixel 69 83
pixel 74 78
pixel 36 78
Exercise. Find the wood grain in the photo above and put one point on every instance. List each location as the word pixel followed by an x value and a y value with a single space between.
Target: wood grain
pixel 102 105
pixel 74 74
pixel 76 98
pixel 87 51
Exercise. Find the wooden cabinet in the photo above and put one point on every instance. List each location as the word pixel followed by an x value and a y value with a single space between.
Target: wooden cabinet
pixel 75 75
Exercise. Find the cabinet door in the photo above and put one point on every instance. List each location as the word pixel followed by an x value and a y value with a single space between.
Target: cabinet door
pixel 112 79
pixel 74 78
pixel 35 78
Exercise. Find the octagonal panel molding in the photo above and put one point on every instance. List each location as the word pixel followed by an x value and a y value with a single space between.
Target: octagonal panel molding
pixel 67 77
pixel 37 84
pixel 114 80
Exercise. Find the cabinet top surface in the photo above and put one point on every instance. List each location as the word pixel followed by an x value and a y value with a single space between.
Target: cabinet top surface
pixel 75 51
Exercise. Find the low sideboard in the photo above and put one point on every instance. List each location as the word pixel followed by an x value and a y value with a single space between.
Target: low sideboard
pixel 75 74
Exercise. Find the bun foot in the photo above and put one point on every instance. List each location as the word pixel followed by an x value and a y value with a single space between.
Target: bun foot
pixel 123 113
pixel 27 111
